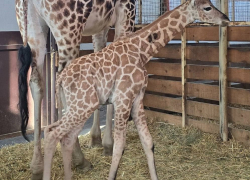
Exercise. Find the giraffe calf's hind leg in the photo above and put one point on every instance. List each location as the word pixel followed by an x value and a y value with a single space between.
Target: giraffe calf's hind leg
pixel 95 132
pixel 108 140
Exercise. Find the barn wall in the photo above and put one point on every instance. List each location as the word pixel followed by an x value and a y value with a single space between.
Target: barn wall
pixel 7 16
pixel 9 115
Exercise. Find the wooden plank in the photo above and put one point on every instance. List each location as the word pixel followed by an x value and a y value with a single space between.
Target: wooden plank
pixel 205 110
pixel 164 86
pixel 240 135
pixel 170 51
pixel 211 33
pixel 239 96
pixel 239 116
pixel 204 126
pixel 162 117
pixel 161 102
pixel 204 53
pixel 85 52
pixel 238 55
pixel 164 69
pixel 240 75
pixel 203 72
pixel 199 109
pixel 203 91
pixel 176 120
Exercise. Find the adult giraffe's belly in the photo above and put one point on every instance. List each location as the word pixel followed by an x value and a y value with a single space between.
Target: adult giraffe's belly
pixel 96 24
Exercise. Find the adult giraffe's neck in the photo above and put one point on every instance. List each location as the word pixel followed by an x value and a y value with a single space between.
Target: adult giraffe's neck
pixel 156 35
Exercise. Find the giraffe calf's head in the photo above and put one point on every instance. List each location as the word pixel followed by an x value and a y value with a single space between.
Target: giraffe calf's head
pixel 205 11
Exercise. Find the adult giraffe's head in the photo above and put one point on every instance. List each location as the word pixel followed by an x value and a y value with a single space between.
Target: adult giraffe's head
pixel 205 11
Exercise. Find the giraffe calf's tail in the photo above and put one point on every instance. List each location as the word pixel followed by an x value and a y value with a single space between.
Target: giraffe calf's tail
pixel 25 58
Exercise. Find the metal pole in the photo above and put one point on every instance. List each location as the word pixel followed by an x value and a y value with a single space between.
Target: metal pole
pixel 223 44
pixel 183 74
pixel 167 5
pixel 48 84
pixel 53 49
pixel 140 11
pixel 233 10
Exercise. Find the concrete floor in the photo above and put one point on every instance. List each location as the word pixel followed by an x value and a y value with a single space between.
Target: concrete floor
pixel 86 129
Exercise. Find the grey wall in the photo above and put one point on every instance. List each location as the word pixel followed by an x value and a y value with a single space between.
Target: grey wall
pixel 8 16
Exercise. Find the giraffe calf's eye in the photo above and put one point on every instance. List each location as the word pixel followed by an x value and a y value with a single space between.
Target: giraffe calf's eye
pixel 207 8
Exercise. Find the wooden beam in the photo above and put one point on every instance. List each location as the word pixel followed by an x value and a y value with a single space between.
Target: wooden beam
pixel 238 134
pixel 164 86
pixel 161 102
pixel 202 72
pixel 198 90
pixel 223 44
pixel 204 52
pixel 199 33
pixel 183 75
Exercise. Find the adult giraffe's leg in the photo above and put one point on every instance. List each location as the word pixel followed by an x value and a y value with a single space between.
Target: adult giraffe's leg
pixel 37 35
pixel 139 118
pixel 125 18
pixel 99 42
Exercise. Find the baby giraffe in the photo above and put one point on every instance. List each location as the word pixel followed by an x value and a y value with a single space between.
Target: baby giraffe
pixel 117 75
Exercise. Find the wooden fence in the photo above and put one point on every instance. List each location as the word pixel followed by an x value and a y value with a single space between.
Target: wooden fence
pixel 163 98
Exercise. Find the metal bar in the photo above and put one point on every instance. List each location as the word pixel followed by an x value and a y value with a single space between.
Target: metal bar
pixel 167 5
pixel 53 78
pixel 223 44
pixel 140 12
pixel 48 94
pixel 183 74
pixel 233 11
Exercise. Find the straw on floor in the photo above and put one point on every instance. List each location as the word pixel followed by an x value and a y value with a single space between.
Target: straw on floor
pixel 185 154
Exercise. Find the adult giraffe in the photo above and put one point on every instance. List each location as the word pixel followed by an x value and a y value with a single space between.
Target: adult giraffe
pixel 68 20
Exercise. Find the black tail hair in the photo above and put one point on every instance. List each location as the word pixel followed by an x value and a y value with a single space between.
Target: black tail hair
pixel 25 58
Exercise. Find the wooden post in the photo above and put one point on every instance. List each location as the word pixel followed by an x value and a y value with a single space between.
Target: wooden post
pixel 140 12
pixel 223 44
pixel 183 74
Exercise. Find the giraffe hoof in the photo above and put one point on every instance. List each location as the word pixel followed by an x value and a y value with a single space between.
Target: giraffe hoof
pixel 95 142
pixel 84 166
pixel 108 150
pixel 38 176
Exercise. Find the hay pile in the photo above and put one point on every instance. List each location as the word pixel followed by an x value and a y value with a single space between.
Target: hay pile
pixel 179 154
